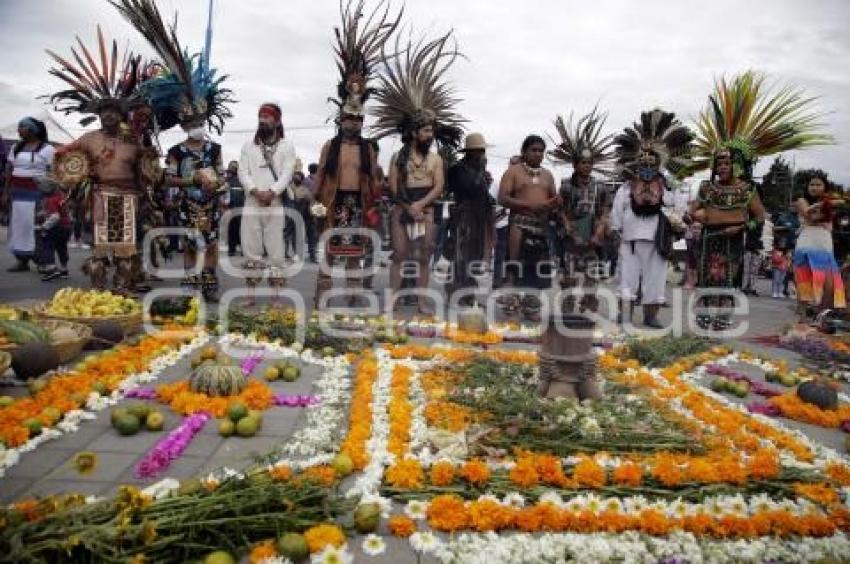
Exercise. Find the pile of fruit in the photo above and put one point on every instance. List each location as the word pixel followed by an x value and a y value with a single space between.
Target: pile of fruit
pixel 722 384
pixel 787 379
pixel 74 302
pixel 13 332
pixel 182 311
pixel 8 312
pixel 285 370
pixel 241 421
pixel 129 420
pixel 215 375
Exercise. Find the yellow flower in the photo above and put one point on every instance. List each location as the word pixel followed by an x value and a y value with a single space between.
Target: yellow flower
pixel 85 462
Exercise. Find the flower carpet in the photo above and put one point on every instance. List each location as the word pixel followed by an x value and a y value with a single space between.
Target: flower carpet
pixel 434 450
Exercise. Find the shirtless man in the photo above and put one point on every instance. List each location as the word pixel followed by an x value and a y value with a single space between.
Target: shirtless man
pixel 416 181
pixel 528 190
pixel 346 184
pixel 113 159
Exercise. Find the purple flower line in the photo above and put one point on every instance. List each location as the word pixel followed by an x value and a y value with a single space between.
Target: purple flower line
pixel 141 393
pixel 296 400
pixel 160 457
pixel 249 364
pixel 764 408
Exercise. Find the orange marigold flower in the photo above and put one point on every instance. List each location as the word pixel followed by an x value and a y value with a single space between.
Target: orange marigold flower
pixel 447 513
pixel 667 471
pixel 262 551
pixel 524 474
pixel 401 526
pixel 488 515
pixel 839 473
pixel 840 517
pixel 819 493
pixel 550 470
pixel 528 519
pixel 406 474
pixel 589 473
pixel 475 472
pixel 280 473
pixel 703 471
pixel 322 475
pixel 442 473
pixel 320 536
pixel 764 464
pixel 628 474
pixel 653 522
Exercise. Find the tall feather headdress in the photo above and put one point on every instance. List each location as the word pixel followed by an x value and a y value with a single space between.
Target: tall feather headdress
pixel 658 133
pixel 583 139
pixel 756 120
pixel 189 90
pixel 358 49
pixel 413 91
pixel 95 82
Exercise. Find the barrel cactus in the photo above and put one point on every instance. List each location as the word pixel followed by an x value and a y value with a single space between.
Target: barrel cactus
pixel 217 379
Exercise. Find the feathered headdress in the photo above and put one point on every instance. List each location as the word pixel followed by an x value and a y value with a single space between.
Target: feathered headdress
pixel 659 133
pixel 93 86
pixel 358 49
pixel 746 115
pixel 583 139
pixel 413 92
pixel 188 90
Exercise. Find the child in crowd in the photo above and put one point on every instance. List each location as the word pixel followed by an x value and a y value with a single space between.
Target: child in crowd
pixel 54 230
pixel 779 264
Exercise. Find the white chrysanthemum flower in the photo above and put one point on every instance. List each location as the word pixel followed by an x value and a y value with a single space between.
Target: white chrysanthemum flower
pixel 552 497
pixel 514 500
pixel 635 504
pixel 613 504
pixel 424 542
pixel 593 503
pixel 678 509
pixel 373 545
pixel 416 509
pixel 576 504
pixel 332 555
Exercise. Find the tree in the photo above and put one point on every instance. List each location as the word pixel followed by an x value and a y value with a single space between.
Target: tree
pixel 776 186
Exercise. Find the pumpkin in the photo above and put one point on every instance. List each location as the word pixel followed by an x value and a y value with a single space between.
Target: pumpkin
pixel 106 332
pixel 31 360
pixel 217 380
pixel 472 320
pixel 819 393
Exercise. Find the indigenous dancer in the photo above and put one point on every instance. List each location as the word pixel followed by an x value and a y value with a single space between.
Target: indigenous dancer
pixel 584 216
pixel 658 141
pixel 265 171
pixel 415 103
pixel 816 273
pixel 471 222
pixel 528 191
pixel 187 92
pixel 29 159
pixel 743 121
pixel 347 183
pixel 111 160
pixel 727 206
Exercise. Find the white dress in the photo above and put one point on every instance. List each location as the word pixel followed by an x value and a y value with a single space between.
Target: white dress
pixel 26 167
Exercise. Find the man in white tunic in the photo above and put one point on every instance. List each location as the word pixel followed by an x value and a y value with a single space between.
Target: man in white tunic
pixel 265 171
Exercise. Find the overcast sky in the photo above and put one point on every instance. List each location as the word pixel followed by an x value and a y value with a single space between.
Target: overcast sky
pixel 527 60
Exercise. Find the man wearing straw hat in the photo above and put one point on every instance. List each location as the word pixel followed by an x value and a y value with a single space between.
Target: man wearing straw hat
pixel 471 226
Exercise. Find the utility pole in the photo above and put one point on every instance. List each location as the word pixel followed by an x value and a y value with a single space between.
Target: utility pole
pixel 208 43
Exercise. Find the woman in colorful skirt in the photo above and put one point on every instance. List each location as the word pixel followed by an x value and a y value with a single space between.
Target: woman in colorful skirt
pixel 816 273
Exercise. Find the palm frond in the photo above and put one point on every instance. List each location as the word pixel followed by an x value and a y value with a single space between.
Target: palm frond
pixel 766 120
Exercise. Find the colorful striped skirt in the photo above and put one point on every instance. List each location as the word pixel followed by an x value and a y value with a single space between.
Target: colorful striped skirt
pixel 814 264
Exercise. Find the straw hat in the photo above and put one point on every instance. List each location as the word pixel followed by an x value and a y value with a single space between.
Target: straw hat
pixel 474 142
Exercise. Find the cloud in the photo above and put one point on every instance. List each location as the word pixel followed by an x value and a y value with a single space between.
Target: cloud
pixel 527 60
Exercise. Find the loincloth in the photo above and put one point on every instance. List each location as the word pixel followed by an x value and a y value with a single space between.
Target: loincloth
pixel 114 221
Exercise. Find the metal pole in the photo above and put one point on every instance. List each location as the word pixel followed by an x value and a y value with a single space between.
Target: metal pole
pixel 208 43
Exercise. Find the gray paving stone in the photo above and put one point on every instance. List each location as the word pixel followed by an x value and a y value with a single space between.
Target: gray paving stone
pixel 205 443
pixel 280 422
pixel 51 487
pixel 10 488
pixel 246 448
pixel 110 466
pixel 139 443
pixel 85 436
pixel 39 462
